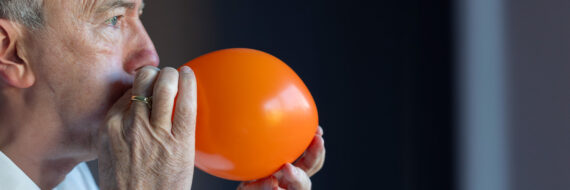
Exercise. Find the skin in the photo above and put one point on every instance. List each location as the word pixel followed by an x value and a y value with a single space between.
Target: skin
pixel 65 98
pixel 138 153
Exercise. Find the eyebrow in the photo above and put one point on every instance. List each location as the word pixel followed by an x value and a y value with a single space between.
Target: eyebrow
pixel 119 4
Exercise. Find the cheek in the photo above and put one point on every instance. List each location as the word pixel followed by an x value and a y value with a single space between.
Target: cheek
pixel 84 74
pixel 102 80
pixel 93 93
pixel 87 83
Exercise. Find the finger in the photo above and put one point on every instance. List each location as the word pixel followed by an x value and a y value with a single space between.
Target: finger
pixel 184 121
pixel 164 92
pixel 293 178
pixel 121 104
pixel 268 183
pixel 142 86
pixel 115 115
pixel 314 157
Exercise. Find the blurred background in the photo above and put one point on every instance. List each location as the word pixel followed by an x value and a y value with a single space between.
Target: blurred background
pixel 466 94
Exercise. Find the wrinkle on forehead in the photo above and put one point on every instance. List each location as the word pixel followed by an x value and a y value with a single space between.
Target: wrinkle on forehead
pixel 77 8
pixel 88 6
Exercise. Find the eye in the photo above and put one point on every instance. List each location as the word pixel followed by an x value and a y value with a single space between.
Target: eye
pixel 113 21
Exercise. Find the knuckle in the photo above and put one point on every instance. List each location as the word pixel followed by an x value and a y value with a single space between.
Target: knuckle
pixel 165 90
pixel 140 118
pixel 167 84
pixel 183 110
pixel 114 118
pixel 161 123
pixel 184 115
pixel 181 121
pixel 137 130
pixel 113 123
pixel 163 133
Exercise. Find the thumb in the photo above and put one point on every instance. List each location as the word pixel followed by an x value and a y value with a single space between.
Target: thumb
pixel 293 178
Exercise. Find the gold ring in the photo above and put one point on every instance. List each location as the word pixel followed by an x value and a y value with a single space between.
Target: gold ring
pixel 143 99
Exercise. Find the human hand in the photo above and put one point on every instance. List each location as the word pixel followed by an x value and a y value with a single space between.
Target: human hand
pixel 294 176
pixel 140 148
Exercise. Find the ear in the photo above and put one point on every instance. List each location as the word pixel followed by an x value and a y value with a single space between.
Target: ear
pixel 14 70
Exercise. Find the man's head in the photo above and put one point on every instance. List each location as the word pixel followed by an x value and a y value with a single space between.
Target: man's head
pixel 65 62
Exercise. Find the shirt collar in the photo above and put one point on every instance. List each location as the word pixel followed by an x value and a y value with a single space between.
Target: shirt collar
pixel 12 177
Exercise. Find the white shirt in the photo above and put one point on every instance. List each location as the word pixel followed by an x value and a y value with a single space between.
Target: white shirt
pixel 12 177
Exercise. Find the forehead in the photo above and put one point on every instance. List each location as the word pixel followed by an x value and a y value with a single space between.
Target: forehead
pixel 86 7
pixel 100 3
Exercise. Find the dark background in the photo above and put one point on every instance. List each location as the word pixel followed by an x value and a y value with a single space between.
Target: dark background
pixel 380 73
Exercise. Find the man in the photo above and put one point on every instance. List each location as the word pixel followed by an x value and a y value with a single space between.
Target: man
pixel 74 80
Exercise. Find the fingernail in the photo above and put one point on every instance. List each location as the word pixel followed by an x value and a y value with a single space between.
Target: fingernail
pixel 186 69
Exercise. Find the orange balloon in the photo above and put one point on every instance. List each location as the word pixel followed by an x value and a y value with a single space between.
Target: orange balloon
pixel 254 114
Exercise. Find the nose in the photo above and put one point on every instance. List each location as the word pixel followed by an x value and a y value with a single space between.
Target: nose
pixel 141 51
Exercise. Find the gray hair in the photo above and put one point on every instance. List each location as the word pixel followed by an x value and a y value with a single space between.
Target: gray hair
pixel 26 12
